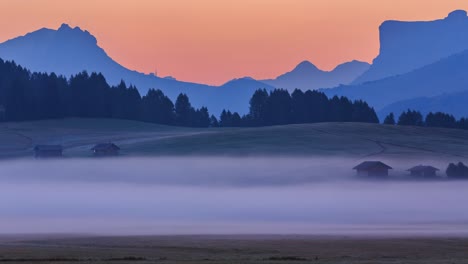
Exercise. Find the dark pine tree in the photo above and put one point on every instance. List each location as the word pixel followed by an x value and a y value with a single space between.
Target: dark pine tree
pixel 214 121
pixel 389 119
pixel 341 109
pixel 278 108
pixel 257 108
pixel 363 113
pixel 225 120
pixel 411 118
pixel 299 107
pixel 157 108
pixel 462 123
pixel 439 119
pixel 201 118
pixel 236 120
pixel 183 111
pixel 317 107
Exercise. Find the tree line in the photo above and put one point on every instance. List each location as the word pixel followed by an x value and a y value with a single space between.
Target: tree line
pixel 279 107
pixel 457 171
pixel 34 96
pixel 415 118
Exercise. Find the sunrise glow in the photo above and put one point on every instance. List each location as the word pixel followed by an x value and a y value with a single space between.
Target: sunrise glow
pixel 212 41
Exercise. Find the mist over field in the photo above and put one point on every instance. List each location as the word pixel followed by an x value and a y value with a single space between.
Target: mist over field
pixel 224 196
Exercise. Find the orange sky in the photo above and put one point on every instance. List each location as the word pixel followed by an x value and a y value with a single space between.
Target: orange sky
pixel 212 41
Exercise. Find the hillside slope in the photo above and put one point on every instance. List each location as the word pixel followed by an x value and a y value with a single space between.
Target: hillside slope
pixel 353 140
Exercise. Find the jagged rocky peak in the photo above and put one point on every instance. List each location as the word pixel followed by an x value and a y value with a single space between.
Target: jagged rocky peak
pixel 64 27
pixel 76 32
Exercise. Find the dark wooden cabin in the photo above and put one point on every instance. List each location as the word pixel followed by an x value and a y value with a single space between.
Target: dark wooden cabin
pixel 423 171
pixel 106 149
pixel 48 151
pixel 372 169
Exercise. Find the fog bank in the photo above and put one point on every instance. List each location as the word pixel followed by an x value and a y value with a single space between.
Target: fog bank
pixel 221 196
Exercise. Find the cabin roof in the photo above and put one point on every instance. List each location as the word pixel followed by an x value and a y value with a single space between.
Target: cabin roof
pixel 421 168
pixel 105 146
pixel 48 148
pixel 367 165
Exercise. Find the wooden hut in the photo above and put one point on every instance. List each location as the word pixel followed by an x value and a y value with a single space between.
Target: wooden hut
pixel 105 149
pixel 423 171
pixel 372 169
pixel 48 151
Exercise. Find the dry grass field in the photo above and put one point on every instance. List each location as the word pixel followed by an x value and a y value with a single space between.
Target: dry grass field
pixel 232 249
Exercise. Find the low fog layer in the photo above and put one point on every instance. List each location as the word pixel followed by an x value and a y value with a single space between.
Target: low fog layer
pixel 222 196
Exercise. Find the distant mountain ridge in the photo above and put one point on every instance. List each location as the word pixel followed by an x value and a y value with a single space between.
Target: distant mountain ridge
pixel 452 103
pixel 407 46
pixel 67 51
pixel 447 76
pixel 306 76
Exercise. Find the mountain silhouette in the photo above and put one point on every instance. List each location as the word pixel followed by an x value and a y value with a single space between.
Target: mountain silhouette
pixel 67 51
pixel 448 75
pixel 406 46
pixel 307 76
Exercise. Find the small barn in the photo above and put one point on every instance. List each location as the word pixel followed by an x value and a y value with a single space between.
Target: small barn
pixel 106 149
pixel 372 169
pixel 48 151
pixel 423 171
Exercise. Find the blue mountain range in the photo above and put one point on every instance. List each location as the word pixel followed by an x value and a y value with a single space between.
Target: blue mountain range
pixel 67 51
pixel 421 65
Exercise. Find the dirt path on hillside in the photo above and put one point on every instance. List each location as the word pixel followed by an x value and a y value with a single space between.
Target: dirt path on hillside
pixel 22 141
pixel 383 149
pixel 131 139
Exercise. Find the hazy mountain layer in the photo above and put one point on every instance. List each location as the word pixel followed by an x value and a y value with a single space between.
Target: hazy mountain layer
pixel 307 76
pixel 453 103
pixel 446 76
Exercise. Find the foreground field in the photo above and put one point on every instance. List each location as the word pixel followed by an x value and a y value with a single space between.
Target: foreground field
pixel 232 249
pixel 353 140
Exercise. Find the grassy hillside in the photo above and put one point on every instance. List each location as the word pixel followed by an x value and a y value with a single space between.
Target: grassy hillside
pixel 355 140
pixel 233 249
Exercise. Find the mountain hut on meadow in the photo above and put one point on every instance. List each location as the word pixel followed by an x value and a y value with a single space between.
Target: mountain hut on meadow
pixel 105 149
pixel 48 151
pixel 372 169
pixel 423 171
